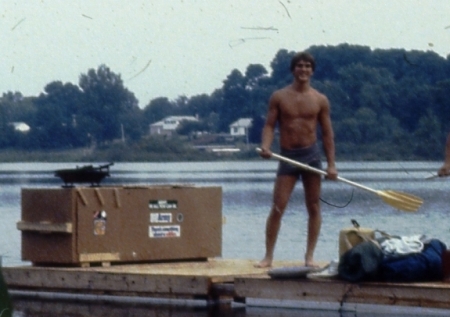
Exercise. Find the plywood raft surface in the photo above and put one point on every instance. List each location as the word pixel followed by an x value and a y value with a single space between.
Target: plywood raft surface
pixel 177 278
pixel 218 277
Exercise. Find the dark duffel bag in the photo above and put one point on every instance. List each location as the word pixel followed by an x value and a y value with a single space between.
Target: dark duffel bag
pixel 361 263
pixel 415 267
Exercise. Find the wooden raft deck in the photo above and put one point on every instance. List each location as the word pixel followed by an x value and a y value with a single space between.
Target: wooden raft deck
pixel 209 280
pixel 338 295
pixel 235 281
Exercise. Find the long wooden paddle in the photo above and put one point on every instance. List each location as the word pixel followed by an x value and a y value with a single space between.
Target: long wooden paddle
pixel 398 200
pixel 436 176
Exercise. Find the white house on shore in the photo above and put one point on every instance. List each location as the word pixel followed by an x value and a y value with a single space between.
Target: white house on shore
pixel 240 127
pixel 168 125
pixel 20 126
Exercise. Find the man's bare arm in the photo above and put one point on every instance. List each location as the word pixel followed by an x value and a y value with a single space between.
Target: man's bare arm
pixel 445 169
pixel 269 127
pixel 328 137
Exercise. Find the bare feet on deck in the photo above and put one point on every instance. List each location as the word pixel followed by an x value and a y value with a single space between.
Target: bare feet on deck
pixel 312 264
pixel 309 262
pixel 266 262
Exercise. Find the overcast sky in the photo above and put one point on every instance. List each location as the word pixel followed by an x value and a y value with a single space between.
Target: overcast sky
pixel 171 48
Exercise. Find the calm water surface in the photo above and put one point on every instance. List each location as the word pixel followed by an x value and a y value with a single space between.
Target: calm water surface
pixel 247 194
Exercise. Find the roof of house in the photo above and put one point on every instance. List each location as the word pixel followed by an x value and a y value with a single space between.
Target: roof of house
pixel 20 126
pixel 173 119
pixel 243 122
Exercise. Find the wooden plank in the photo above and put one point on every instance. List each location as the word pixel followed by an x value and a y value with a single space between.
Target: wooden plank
pixel 434 295
pixel 99 257
pixel 88 264
pixel 88 281
pixel 45 227
pixel 298 289
pixel 169 278
pixel 219 270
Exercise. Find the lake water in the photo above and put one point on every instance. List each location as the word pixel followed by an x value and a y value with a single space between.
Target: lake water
pixel 247 194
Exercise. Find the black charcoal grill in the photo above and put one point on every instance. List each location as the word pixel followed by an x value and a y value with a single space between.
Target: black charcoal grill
pixel 84 174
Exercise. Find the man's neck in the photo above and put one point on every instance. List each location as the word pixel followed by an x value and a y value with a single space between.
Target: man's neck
pixel 300 86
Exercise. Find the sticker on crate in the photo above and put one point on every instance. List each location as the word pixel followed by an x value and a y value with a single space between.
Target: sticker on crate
pixel 164 231
pixel 160 217
pixel 163 204
pixel 100 222
pixel 99 227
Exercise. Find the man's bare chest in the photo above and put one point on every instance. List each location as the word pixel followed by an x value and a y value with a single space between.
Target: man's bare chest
pixel 299 108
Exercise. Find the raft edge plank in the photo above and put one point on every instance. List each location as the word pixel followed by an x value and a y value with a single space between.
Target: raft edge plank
pixel 433 295
pixel 85 280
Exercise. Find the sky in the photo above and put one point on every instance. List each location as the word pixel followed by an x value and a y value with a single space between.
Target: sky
pixel 173 48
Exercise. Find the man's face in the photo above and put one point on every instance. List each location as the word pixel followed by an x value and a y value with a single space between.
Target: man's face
pixel 303 71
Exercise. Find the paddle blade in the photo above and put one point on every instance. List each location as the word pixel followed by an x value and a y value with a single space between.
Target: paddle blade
pixel 401 201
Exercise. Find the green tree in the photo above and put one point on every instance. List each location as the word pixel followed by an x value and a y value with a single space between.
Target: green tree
pixel 55 122
pixel 347 130
pixel 17 107
pixel 339 99
pixel 255 131
pixel 201 106
pixel 235 98
pixel 6 130
pixel 330 59
pixel 253 74
pixel 14 107
pixel 281 74
pixel 441 94
pixel 428 137
pixel 412 99
pixel 106 102
pixel 363 83
pixel 258 90
pixel 158 109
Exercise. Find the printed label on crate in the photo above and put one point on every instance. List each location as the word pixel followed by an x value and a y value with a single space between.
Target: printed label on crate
pixel 160 217
pixel 99 227
pixel 163 204
pixel 164 231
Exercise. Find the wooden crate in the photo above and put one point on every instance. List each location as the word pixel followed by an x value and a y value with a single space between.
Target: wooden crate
pixel 85 225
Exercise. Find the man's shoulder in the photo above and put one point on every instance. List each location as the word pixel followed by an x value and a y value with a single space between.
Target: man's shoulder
pixel 317 92
pixel 282 91
pixel 321 97
pixel 278 94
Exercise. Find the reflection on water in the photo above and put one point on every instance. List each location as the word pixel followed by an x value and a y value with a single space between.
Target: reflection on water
pixel 34 308
pixel 247 194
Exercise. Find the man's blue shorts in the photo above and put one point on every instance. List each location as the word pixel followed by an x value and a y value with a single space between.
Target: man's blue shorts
pixel 308 155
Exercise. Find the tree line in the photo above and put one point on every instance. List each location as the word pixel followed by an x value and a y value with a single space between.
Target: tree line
pixel 385 104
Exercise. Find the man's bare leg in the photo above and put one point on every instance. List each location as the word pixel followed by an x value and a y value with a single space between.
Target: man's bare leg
pixel 282 191
pixel 314 224
pixel 272 228
pixel 311 185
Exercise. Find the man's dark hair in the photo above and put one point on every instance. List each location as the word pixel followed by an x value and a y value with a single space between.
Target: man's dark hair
pixel 303 56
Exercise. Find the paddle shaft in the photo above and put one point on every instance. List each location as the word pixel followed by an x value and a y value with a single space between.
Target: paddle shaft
pixel 319 171
pixel 436 176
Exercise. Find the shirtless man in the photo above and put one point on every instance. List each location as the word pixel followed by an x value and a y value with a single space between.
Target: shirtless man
pixel 445 169
pixel 298 109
